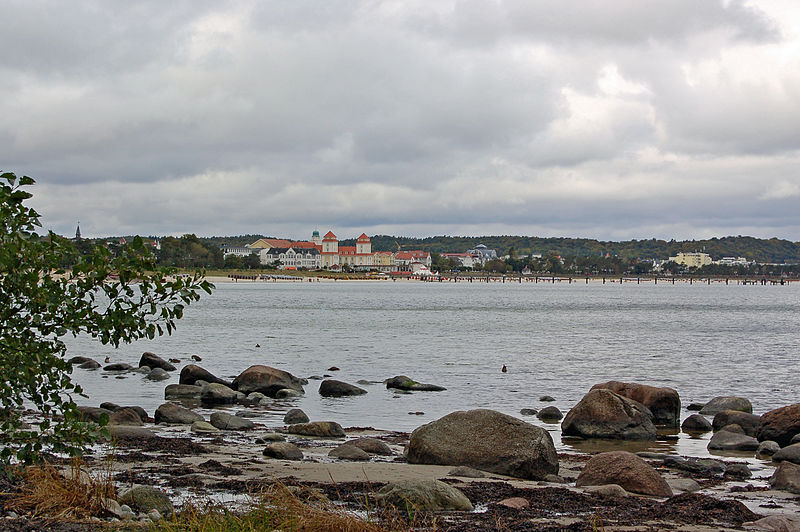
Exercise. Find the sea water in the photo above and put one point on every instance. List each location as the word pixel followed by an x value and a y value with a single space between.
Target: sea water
pixel 554 339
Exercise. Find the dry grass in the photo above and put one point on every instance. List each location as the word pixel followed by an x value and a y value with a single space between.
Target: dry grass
pixel 279 507
pixel 74 495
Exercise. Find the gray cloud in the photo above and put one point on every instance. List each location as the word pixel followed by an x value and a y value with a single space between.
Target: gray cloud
pixel 592 119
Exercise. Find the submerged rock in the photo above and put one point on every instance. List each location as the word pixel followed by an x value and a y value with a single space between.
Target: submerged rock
pixel 696 423
pixel 192 373
pixel 550 414
pixel 730 441
pixel 401 382
pixel 334 388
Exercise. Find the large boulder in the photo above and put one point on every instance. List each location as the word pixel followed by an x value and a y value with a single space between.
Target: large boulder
pixel 786 477
pixel 427 494
pixel 192 373
pixel 172 414
pixel 790 453
pixel 217 394
pixel 726 402
pixel 664 403
pixel 151 360
pixel 317 429
pixel 266 380
pixel 334 388
pixel 748 422
pixel 146 498
pixel 731 441
pixel 625 469
pixel 605 414
pixel 487 440
pixel 401 382
pixel 780 425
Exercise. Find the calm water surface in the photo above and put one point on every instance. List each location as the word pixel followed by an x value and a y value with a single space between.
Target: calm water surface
pixel 555 340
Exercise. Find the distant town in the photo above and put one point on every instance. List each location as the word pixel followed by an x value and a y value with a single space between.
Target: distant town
pixel 470 254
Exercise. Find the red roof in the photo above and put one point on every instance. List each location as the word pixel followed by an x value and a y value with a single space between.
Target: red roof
pixel 347 250
pixel 303 245
pixel 407 255
pixel 329 236
pixel 363 238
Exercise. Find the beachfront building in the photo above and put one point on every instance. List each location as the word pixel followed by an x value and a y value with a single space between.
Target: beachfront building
pixel 481 254
pixel 236 251
pixel 692 260
pixel 383 261
pixel 404 259
pixel 465 260
pixel 291 258
pixel 733 261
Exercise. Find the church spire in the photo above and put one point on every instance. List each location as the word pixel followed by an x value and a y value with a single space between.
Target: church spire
pixel 78 232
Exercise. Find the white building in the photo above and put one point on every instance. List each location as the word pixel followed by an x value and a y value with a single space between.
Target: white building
pixel 692 260
pixel 290 258
pixel 481 254
pixel 236 251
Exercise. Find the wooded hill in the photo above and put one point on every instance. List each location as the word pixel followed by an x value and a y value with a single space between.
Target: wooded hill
pixel 771 250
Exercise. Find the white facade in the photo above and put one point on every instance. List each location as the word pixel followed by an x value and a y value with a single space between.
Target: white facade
pixel 308 258
pixel 236 251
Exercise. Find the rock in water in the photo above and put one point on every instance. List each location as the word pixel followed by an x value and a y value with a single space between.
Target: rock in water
pixel 217 394
pixel 696 423
pixel 550 414
pixel 125 416
pixel 152 360
pixel 401 382
pixel 748 422
pixel 295 415
pixel 191 373
pixel 266 380
pixel 730 441
pixel 157 374
pixel 182 391
pixel 790 453
pixel 626 469
pixel 89 364
pixel 663 403
pixel 604 414
pixel 431 495
pixel 727 402
pixel 487 440
pixel 780 425
pixel 334 388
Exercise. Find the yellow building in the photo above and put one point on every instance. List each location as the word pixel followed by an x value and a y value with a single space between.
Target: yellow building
pixel 692 260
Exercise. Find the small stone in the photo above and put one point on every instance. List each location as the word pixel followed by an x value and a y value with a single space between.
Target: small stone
pixel 696 423
pixel 285 393
pixel 550 414
pixel 203 427
pixel 695 406
pixel 767 448
pixel 348 451
pixel 547 399
pixel 515 503
pixel 686 485
pixel 528 411
pixel 154 515
pixel 295 415
pixel 157 374
pixel 270 437
pixel 283 451
pixel 608 490
pixel 738 471
pixel 466 472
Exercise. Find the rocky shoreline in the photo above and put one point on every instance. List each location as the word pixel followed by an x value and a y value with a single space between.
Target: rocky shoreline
pixel 473 470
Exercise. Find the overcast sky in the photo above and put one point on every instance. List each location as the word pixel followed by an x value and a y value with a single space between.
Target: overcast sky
pixel 610 119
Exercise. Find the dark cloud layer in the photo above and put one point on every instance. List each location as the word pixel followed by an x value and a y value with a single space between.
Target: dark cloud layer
pixel 618 119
